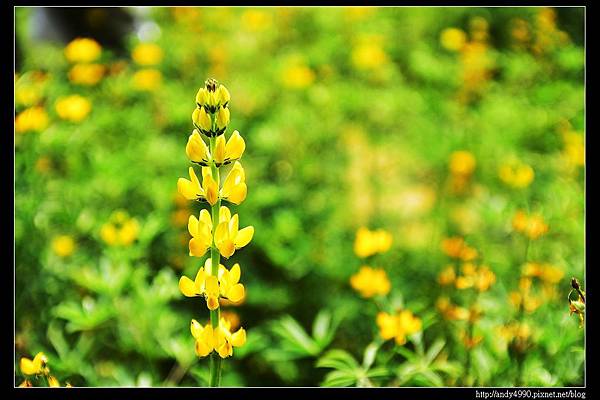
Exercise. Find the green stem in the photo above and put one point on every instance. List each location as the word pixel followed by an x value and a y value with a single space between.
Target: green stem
pixel 215 259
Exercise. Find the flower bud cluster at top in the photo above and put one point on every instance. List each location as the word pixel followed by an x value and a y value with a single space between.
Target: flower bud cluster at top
pixel 211 116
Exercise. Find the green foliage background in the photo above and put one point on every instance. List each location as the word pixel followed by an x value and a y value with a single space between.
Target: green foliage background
pixel 322 160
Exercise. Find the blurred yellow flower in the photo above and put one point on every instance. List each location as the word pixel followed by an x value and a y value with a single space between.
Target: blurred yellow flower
pixel 83 50
pixel 147 79
pixel 121 230
pixel 147 54
pixel 370 282
pixel 31 119
pixel 453 39
pixel 398 326
pixel 369 242
pixel 73 108
pixel 516 174
pixel 255 20
pixel 447 276
pixel 232 318
pixel 36 366
pixel 451 311
pixel 27 94
pixel 533 226
pixel 369 54
pixel 53 382
pixel 456 247
pixel 574 147
pixel 63 245
pixel 86 74
pixel 545 272
pixel 297 76
pixel 462 163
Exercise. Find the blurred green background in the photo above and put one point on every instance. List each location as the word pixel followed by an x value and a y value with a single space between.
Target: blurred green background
pixel 352 117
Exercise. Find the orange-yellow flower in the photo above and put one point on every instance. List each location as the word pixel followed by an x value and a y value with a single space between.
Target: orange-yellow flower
pixel 369 242
pixel 83 50
pixel 398 326
pixel 370 282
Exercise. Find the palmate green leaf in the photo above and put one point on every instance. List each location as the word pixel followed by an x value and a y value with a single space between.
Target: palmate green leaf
pixel 339 378
pixel 289 330
pixel 339 360
pixel 323 328
pixel 379 372
pixel 84 316
pixel 369 354
pixel 434 350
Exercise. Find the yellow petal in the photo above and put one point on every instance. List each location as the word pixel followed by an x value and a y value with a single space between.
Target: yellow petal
pixel 212 286
pixel 196 149
pixel 223 95
pixel 225 350
pixel 219 154
pixel 187 287
pixel 222 118
pixel 198 247
pixel 211 190
pixel 235 273
pixel 233 226
pixel 235 177
pixel 53 382
pixel 244 237
pixel 238 339
pixel 237 194
pixel 193 226
pixel 186 189
pixel 224 214
pixel 212 302
pixel 236 293
pixel 205 218
pixel 196 329
pixel 27 366
pixel 235 146
pixel 202 349
pixel 200 280
pixel 202 119
pixel 226 248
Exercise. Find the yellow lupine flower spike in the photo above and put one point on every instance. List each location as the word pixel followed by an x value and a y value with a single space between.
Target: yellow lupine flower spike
pixel 201 231
pixel 229 238
pixel 234 188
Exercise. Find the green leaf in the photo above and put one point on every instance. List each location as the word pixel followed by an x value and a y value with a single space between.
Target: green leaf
pixel 339 378
pixel 434 350
pixel 321 325
pixel 339 360
pixel 289 330
pixel 369 355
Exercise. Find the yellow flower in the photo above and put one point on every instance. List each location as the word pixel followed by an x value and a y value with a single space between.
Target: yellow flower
pixel 31 119
pixel 223 116
pixel 83 50
pixel 211 97
pixel 255 21
pixel 202 120
pixel 147 54
pixel 398 326
pixel 369 242
pixel 484 279
pixel 147 79
pixel 453 39
pixel 462 163
pixel 201 231
pixel 192 190
pixel 234 187
pixel 369 53
pixel 533 226
pixel 228 238
pixel 297 76
pixel 63 245
pixel 73 108
pixel 27 94
pixel 220 339
pixel 53 382
pixel 231 317
pixel 450 311
pixel 517 175
pixel 196 150
pixel 230 151
pixel 574 149
pixel 36 366
pixel 447 276
pixel 86 74
pixel 370 282
pixel 120 230
pixel 456 247
pixel 229 285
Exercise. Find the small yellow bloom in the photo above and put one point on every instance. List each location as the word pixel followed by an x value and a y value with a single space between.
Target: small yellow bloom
pixel 456 247
pixel 27 94
pixel 147 54
pixel 574 149
pixel 63 245
pixel 255 20
pixel 533 226
pixel 192 190
pixel 398 326
pixel 201 231
pixel 120 230
pixel 31 119
pixel 83 50
pixel 462 163
pixel 517 175
pixel 234 187
pixel 447 276
pixel 147 79
pixel 369 242
pixel 370 282
pixel 453 39
pixel 220 339
pixel 229 285
pixel 223 116
pixel 202 120
pixel 73 108
pixel 228 238
pixel 369 53
pixel 197 150
pixel 36 366
pixel 297 77
pixel 86 74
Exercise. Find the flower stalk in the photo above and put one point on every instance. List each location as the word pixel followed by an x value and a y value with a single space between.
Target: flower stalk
pixel 216 230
